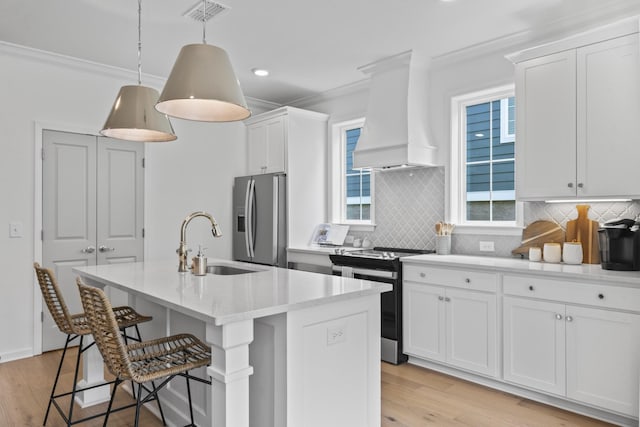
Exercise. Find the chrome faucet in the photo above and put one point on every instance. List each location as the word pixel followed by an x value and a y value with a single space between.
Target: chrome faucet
pixel 182 250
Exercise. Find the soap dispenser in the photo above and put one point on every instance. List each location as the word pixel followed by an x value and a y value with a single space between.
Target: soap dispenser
pixel 199 263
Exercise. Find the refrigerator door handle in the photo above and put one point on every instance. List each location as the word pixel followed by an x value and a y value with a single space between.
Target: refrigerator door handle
pixel 248 221
pixel 252 219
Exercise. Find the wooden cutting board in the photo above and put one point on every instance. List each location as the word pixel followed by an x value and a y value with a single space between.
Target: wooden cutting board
pixel 585 231
pixel 537 234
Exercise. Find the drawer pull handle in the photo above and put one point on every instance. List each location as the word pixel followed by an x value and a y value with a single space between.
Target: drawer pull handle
pixel 422 275
pixel 530 287
pixel 559 316
pixel 467 280
pixel 569 319
pixel 601 296
pixel 440 298
pixel 447 299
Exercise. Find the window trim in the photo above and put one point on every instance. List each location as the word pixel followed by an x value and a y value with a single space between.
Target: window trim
pixel 457 180
pixel 337 147
pixel 505 136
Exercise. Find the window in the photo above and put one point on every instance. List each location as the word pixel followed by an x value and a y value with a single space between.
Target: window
pixel 352 189
pixel 483 158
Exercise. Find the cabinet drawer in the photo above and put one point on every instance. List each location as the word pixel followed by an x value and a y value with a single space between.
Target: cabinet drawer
pixel 457 278
pixel 572 292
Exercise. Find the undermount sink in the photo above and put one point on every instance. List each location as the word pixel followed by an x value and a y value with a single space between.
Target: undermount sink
pixel 226 270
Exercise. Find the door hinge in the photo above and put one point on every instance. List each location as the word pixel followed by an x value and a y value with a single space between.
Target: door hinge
pixel 143 232
pixel 42 317
pixel 41 235
pixel 42 153
pixel 144 162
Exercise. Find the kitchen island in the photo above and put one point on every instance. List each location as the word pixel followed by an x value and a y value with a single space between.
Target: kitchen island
pixel 289 348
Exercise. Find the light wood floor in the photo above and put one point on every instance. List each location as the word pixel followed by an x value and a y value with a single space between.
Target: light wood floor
pixel 411 396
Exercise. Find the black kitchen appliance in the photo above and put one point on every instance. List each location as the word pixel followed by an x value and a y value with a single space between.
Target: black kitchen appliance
pixel 380 265
pixel 620 245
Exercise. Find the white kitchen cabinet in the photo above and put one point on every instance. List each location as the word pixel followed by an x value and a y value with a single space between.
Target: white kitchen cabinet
pixel 534 344
pixel 588 354
pixel 577 121
pixel 293 141
pixel 452 324
pixel 266 145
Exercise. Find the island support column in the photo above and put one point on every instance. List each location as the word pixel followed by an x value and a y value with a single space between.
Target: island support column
pixel 230 371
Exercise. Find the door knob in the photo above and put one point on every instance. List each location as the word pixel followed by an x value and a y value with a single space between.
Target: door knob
pixel 88 250
pixel 106 249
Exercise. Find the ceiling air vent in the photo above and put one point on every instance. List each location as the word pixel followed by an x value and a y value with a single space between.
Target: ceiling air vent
pixel 211 9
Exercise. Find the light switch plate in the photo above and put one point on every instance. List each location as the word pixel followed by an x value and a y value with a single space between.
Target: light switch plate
pixel 15 229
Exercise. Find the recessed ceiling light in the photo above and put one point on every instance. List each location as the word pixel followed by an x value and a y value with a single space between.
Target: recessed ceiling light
pixel 260 72
pixel 478 135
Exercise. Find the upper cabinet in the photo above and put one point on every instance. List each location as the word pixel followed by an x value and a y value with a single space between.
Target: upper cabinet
pixel 577 106
pixel 293 141
pixel 266 145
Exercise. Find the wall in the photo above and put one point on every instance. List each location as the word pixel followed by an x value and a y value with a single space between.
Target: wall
pixel 193 173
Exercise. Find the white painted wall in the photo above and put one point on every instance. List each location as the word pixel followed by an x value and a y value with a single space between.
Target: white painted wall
pixel 193 173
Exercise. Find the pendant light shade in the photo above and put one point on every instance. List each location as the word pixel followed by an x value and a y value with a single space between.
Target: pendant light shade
pixel 133 117
pixel 202 86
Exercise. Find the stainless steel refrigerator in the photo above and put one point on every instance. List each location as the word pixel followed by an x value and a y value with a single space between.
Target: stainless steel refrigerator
pixel 259 214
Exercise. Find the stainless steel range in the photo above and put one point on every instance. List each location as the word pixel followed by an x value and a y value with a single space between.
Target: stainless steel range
pixel 380 265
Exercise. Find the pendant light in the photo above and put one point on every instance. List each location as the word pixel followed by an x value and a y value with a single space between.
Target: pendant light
pixel 202 85
pixel 133 116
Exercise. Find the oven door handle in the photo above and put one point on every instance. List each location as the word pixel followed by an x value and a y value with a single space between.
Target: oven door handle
pixel 366 272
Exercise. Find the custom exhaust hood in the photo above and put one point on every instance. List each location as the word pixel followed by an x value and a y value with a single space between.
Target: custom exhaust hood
pixel 395 130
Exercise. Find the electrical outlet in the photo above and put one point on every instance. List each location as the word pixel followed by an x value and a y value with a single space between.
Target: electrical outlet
pixel 336 334
pixel 487 247
pixel 15 229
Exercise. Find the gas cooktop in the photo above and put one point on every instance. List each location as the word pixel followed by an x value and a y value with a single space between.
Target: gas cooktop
pixel 383 252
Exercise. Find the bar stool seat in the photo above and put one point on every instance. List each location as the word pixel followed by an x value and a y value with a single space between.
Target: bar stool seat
pixel 76 326
pixel 142 362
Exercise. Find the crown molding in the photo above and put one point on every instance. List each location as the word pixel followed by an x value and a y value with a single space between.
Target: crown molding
pixel 47 57
pixel 549 32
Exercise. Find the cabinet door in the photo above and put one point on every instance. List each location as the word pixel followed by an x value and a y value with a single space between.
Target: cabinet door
pixel 534 344
pixel 546 127
pixel 257 146
pixel 277 144
pixel 608 102
pixel 471 330
pixel 603 355
pixel 423 321
pixel 266 145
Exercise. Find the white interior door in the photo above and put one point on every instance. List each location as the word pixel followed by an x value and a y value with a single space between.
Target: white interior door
pixel 92 199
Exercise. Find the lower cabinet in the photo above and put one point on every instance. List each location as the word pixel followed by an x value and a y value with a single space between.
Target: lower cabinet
pixel 587 354
pixel 451 325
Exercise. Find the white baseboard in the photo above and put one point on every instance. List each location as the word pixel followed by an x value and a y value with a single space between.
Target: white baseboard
pixel 15 355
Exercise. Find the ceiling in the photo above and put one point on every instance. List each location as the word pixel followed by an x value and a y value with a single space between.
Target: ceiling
pixel 308 46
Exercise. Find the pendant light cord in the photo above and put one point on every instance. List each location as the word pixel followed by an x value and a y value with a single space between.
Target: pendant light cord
pixel 204 21
pixel 139 42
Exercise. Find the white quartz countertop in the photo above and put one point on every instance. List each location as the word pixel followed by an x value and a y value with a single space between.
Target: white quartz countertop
pixel 591 272
pixel 229 298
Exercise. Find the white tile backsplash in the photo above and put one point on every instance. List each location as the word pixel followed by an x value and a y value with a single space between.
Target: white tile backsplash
pixel 410 201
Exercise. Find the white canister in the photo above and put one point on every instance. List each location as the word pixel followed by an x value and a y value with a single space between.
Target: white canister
pixel 552 252
pixel 572 252
pixel 535 254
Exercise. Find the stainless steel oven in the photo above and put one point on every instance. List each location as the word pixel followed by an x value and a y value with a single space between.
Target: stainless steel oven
pixel 380 265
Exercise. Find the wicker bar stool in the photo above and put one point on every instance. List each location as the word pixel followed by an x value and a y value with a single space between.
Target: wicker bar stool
pixel 142 362
pixel 76 327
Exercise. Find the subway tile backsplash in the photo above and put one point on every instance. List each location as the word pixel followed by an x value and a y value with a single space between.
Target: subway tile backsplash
pixel 410 201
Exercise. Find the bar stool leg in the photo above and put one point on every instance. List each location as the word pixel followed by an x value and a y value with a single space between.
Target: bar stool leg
pixel 113 394
pixel 75 381
pixel 55 383
pixel 189 395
